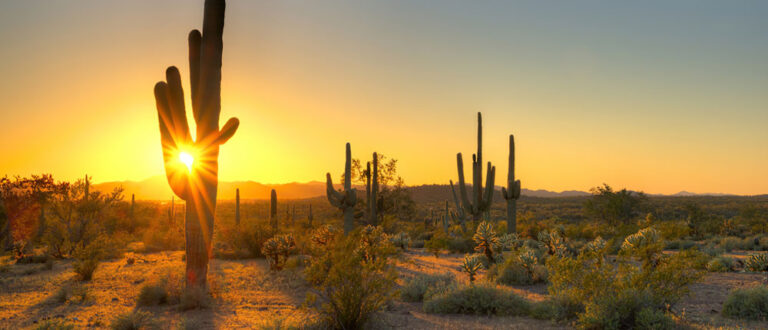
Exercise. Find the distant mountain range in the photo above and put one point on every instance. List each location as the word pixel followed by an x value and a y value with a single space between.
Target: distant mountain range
pixel 156 188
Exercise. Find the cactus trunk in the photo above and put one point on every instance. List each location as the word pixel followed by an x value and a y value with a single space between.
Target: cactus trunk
pixel 512 192
pixel 347 199
pixel 375 190
pixel 237 207
pixel 273 210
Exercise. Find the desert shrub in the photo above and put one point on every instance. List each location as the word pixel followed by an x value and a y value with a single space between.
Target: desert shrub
pixel 437 243
pixel 614 295
pixel 296 261
pixel 163 239
pixel 152 294
pixel 135 320
pixel 55 325
pixel 461 244
pixel 352 277
pixel 193 298
pixel 730 243
pixel 756 262
pixel 86 262
pixel 649 318
pixel 72 293
pixel 416 287
pixel 401 240
pixel 482 299
pixel 34 259
pixel 720 264
pixel 277 249
pixel 520 269
pixel 751 304
pixel 680 244
pixel 247 239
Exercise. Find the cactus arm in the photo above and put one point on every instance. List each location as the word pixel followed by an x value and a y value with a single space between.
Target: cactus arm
pixel 489 187
pixel 334 197
pixel 462 185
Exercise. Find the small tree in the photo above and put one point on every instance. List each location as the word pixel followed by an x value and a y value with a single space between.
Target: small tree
pixel 614 207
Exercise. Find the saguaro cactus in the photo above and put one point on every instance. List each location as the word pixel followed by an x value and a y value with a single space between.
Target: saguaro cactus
pixel 196 183
pixel 512 191
pixel 482 198
pixel 346 199
pixel 446 218
pixel 374 191
pixel 310 217
pixel 133 205
pixel 237 207
pixel 273 210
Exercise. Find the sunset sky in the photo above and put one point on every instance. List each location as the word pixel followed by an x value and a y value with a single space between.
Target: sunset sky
pixel 659 96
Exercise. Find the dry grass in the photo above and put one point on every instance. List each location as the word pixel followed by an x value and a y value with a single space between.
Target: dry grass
pixel 245 294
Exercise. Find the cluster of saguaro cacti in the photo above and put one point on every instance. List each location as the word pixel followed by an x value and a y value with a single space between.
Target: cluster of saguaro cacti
pixel 273 210
pixel 237 207
pixel 346 199
pixel 512 192
pixel 481 203
pixel 373 189
pixel 197 183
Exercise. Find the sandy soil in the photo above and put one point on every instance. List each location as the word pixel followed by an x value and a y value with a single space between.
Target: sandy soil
pixel 247 295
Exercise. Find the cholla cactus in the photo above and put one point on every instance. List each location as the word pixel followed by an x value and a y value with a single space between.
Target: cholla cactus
pixel 401 240
pixel 277 249
pixel 371 239
pixel 486 240
pixel 509 242
pixel 554 242
pixel 323 235
pixel 757 262
pixel 470 266
pixel 528 260
pixel 646 245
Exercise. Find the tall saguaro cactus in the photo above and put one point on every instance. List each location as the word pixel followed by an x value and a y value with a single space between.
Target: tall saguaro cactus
pixel 346 199
pixel 237 207
pixel 512 192
pixel 482 199
pixel 374 191
pixel 196 183
pixel 273 210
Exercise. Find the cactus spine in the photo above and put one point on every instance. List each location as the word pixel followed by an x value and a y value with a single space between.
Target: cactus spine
pixel 482 198
pixel 197 184
pixel 512 192
pixel 273 210
pixel 346 199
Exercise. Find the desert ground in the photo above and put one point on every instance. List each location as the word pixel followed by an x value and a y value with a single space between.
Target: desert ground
pixel 246 294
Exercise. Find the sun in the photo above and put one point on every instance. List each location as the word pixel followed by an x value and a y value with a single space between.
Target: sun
pixel 187 159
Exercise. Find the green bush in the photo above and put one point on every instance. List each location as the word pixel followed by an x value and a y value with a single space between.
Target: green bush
pixel 55 325
pixel 720 264
pixel 152 295
pixel 751 304
pixel 461 245
pixel 193 298
pixel 520 269
pixel 353 277
pixel 649 318
pixel 730 243
pixel 614 295
pixel 401 240
pixel 482 299
pixel 756 262
pixel 437 243
pixel 416 287
pixel 72 293
pixel 136 320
